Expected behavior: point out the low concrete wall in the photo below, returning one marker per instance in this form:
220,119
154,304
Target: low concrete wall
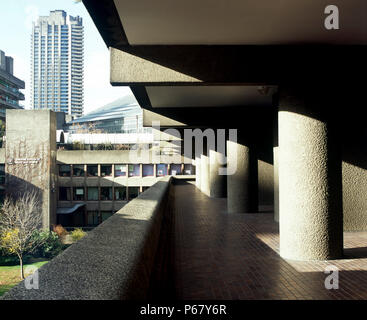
114,261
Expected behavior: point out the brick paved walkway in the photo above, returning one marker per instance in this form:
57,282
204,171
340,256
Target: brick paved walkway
235,256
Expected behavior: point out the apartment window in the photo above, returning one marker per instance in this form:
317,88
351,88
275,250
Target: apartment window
145,188
106,170
92,193
92,170
2,173
64,194
105,215
133,192
120,193
188,169
106,193
78,193
92,218
134,170
148,170
120,170
161,170
175,169
64,170
78,170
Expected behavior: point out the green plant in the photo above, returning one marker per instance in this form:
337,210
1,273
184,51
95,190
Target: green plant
78,145
77,234
50,245
19,219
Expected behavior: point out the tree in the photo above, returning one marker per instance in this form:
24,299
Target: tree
19,219
2,133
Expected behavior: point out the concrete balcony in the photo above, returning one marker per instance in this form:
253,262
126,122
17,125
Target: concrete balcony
17,95
10,105
162,246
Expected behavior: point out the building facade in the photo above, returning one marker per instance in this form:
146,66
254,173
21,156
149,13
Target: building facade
78,188
121,116
57,63
9,86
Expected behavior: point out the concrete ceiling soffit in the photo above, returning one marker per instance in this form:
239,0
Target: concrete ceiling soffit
107,21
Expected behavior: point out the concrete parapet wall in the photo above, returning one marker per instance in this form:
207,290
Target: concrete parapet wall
114,261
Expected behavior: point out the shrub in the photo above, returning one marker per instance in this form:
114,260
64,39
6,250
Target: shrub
77,234
78,145
13,260
50,244
59,230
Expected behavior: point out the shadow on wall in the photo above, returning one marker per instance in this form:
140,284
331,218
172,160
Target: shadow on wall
15,187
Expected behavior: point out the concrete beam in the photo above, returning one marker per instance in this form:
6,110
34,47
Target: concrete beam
198,65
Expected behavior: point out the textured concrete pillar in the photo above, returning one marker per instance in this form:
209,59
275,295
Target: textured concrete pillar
276,184
217,182
204,168
197,172
241,191
310,193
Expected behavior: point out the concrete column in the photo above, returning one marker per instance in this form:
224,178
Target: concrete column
205,174
217,182
198,172
276,183
310,189
241,186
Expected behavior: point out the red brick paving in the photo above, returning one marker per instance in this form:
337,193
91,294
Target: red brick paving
235,256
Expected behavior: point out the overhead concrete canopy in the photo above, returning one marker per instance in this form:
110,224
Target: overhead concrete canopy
253,22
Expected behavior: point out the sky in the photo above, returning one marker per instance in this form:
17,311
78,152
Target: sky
15,41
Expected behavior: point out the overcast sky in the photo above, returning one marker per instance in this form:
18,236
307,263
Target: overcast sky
16,19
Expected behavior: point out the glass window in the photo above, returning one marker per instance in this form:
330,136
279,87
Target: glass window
92,193
64,194
64,170
78,170
92,218
175,169
188,169
106,170
133,192
145,188
148,170
106,193
120,193
161,170
106,214
78,193
134,170
92,170
120,170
